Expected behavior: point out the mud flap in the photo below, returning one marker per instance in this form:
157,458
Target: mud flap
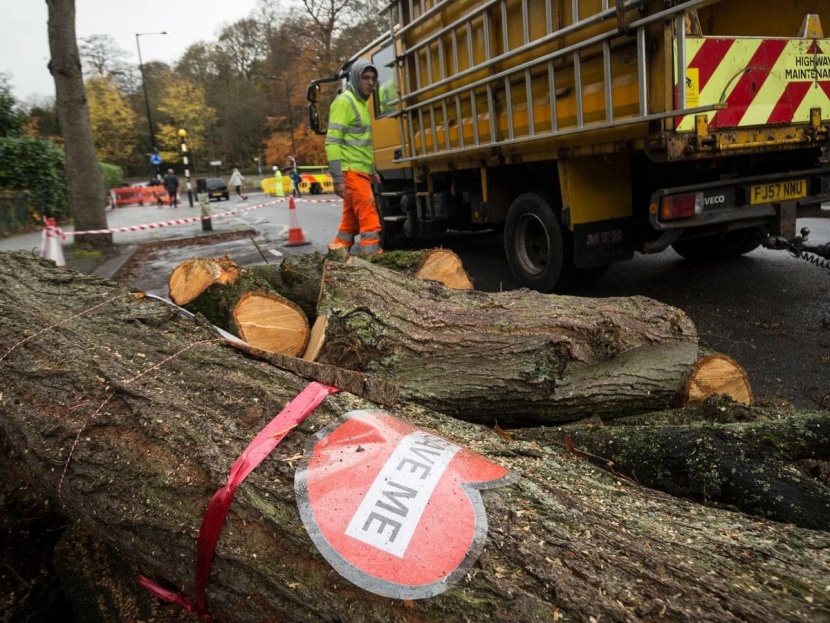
603,242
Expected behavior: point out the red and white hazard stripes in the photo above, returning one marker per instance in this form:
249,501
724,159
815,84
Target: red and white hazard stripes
54,230
761,81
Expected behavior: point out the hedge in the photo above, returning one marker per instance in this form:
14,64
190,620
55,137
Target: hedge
38,167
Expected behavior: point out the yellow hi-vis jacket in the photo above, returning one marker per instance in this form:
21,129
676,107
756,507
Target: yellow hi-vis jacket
349,137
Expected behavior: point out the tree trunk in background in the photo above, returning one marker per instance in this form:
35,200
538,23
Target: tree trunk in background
155,410
86,185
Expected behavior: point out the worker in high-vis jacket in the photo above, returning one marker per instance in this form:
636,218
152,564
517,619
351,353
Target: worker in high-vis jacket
352,161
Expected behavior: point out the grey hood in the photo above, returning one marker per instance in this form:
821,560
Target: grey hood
355,71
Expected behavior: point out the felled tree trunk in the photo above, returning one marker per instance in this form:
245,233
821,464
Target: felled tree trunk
516,358
697,460
129,416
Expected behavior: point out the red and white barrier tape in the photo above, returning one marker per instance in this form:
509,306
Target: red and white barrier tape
55,231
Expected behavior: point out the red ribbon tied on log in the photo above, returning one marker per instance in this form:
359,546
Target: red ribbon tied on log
217,511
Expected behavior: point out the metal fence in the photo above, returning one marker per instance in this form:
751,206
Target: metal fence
16,214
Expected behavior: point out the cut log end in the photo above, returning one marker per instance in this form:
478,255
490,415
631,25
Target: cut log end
192,277
271,323
444,266
317,339
718,375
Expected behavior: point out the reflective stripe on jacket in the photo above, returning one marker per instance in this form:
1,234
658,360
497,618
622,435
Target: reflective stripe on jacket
349,137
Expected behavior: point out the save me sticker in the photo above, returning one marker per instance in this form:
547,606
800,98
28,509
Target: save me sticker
394,509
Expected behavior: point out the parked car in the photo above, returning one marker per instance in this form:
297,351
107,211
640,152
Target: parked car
217,189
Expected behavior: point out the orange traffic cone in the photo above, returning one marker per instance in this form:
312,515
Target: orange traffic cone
295,234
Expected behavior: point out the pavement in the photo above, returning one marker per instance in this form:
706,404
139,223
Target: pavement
134,227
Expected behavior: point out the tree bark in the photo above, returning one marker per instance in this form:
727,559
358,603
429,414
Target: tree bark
86,184
698,460
129,416
516,357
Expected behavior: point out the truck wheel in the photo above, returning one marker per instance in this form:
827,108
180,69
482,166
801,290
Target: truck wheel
733,244
538,247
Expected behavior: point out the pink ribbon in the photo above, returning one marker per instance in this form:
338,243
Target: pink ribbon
217,511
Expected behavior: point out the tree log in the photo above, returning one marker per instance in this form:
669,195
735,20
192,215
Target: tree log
516,357
271,323
698,460
212,286
192,277
129,416
718,375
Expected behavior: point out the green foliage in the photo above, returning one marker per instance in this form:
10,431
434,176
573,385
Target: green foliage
15,213
11,118
39,167
113,175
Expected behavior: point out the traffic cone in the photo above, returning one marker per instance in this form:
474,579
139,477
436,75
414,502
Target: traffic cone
53,250
295,234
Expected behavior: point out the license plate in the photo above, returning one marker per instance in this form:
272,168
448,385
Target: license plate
778,191
216,194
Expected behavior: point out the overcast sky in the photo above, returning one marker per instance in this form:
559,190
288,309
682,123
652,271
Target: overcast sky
24,45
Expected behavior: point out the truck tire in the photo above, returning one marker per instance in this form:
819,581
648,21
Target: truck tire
713,248
539,248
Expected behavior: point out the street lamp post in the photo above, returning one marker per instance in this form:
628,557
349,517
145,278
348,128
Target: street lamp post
153,148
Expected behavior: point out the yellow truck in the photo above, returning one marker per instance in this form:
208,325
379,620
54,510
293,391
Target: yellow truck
593,129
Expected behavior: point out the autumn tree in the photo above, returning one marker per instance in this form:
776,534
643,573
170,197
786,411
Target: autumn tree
307,146
184,106
86,185
156,76
325,19
199,64
113,121
243,47
313,41
42,119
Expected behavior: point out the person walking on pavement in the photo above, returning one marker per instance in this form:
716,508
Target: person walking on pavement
171,185
351,160
236,181
296,179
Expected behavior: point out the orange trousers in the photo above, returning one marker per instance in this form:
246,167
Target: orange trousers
360,216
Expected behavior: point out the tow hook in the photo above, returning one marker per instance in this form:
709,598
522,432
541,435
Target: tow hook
798,247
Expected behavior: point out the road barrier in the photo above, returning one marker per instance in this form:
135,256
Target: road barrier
139,195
